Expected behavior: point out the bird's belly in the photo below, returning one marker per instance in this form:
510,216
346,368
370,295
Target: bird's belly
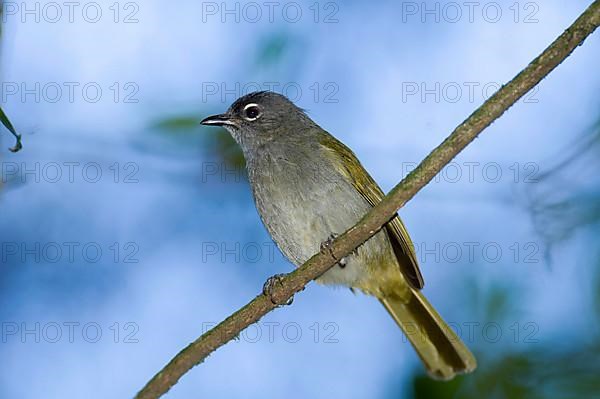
309,214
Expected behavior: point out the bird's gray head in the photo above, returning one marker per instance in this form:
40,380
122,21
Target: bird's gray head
260,117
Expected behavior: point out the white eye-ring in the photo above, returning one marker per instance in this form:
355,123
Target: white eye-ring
252,112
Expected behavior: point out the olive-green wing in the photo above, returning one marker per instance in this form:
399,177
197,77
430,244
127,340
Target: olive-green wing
368,188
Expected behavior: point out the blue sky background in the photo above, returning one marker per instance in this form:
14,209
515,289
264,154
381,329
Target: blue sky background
170,210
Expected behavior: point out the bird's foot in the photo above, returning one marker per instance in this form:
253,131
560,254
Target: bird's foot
269,290
326,247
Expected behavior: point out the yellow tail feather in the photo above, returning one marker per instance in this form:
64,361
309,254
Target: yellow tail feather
441,350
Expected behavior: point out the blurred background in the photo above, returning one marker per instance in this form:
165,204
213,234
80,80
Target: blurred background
127,230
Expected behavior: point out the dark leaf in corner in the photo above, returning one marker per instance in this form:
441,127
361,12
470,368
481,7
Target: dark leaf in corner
9,126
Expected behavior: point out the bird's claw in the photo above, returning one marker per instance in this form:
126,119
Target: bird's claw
269,287
326,247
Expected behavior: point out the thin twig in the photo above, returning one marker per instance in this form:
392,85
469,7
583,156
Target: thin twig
465,133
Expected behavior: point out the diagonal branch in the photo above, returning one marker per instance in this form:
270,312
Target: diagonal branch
465,133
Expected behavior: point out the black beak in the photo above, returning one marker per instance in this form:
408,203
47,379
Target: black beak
217,120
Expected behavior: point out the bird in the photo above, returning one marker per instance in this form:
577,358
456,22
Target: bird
308,187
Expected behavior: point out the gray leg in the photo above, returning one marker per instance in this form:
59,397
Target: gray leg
325,245
270,285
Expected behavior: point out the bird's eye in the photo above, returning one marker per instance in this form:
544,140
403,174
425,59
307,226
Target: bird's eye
252,112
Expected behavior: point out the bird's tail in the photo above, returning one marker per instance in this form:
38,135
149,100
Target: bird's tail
441,350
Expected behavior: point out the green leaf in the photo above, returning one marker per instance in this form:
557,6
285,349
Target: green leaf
179,123
10,127
272,48
217,141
